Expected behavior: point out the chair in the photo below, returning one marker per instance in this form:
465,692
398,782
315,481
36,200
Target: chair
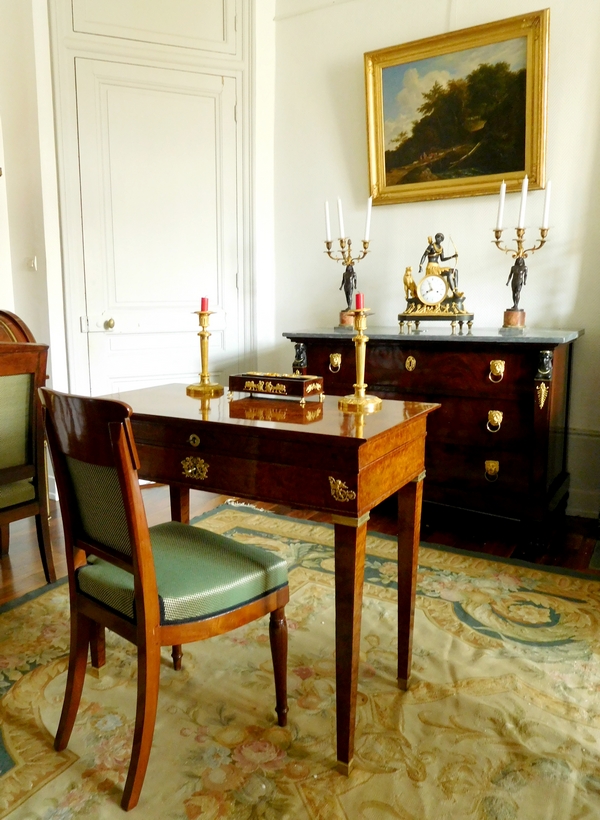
161,586
23,481
13,329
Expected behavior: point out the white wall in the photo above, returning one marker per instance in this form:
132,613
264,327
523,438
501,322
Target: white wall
321,152
18,112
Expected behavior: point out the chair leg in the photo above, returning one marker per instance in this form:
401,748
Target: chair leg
177,655
80,639
278,634
98,646
43,536
145,718
4,538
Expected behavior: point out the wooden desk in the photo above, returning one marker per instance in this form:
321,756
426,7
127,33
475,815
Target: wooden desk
313,456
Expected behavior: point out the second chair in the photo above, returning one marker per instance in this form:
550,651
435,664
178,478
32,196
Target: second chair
161,586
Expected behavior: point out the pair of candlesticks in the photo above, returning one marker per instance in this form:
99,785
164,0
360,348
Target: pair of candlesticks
359,402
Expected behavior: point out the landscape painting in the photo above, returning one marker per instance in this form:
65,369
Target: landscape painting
458,120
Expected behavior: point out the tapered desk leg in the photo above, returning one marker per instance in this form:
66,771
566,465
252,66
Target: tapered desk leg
180,503
350,543
410,499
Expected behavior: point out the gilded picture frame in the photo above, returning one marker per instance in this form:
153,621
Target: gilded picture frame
454,115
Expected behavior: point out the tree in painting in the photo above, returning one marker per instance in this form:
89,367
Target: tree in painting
469,126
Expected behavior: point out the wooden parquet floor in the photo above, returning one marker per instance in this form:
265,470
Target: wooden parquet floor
571,548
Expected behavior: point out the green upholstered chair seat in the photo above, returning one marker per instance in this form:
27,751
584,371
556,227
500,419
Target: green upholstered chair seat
198,574
16,493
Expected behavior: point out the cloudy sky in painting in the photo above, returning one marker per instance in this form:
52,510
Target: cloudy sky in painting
404,85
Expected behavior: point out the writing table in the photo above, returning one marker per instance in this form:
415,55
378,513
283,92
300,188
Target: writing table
334,462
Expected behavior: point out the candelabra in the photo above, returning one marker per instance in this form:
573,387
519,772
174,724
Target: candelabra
514,317
205,388
349,276
345,254
360,402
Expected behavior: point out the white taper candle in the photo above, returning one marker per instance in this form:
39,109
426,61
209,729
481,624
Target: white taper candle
341,219
368,219
521,222
501,206
547,205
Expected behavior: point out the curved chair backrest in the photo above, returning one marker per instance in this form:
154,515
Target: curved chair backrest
95,464
23,484
13,329
22,371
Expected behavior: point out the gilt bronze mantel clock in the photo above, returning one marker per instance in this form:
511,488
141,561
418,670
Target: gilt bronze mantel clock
435,296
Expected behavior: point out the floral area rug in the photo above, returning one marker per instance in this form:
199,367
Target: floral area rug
501,721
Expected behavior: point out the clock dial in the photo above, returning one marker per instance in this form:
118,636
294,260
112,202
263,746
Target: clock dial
432,289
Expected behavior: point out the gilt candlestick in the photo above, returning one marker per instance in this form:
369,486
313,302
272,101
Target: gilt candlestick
205,388
360,402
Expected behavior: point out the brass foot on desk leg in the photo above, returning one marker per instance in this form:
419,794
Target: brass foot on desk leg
403,684
344,768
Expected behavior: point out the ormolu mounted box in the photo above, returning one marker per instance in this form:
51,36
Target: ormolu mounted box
277,385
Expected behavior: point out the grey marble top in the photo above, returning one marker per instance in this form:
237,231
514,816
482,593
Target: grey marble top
442,333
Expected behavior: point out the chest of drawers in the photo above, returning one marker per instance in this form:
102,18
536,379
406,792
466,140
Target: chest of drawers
498,444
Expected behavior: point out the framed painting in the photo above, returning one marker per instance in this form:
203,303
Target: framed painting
454,115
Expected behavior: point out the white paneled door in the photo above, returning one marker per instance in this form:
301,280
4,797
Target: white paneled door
159,203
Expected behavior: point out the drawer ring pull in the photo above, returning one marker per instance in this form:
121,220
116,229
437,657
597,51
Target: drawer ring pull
492,468
496,373
335,362
494,421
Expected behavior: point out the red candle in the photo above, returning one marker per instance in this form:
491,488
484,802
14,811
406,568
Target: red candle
360,301
204,303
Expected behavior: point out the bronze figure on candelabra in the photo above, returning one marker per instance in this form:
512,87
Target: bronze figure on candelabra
514,317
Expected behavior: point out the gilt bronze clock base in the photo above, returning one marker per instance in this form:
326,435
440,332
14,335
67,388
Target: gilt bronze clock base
406,320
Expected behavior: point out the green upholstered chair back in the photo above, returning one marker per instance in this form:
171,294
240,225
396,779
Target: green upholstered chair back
22,371
100,509
95,464
15,419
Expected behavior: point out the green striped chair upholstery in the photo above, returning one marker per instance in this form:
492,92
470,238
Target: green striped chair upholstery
160,586
23,483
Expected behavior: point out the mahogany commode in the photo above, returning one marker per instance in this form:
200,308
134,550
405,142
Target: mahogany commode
343,464
498,445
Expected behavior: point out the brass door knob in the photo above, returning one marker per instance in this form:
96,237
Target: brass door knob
109,324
